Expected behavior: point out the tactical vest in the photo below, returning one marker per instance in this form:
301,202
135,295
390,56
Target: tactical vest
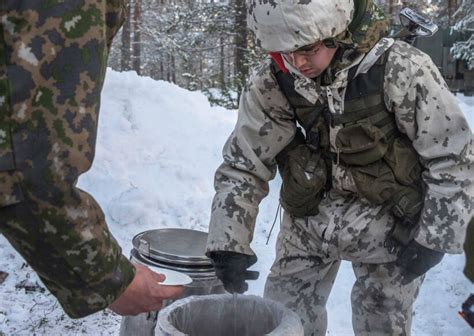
384,166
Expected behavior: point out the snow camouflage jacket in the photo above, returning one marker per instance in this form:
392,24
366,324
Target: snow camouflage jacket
52,65
424,110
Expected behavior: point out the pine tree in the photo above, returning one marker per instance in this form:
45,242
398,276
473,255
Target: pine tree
464,23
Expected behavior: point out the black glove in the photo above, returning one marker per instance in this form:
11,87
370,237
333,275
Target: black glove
231,269
416,260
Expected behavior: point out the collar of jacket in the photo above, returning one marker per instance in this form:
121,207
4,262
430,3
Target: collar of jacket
278,58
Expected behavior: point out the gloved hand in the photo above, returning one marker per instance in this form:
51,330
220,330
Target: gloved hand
231,269
416,260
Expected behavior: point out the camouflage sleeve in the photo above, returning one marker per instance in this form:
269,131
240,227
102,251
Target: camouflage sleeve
264,127
52,65
428,113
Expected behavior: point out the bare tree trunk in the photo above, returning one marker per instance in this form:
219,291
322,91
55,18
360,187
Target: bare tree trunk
173,69
200,71
136,36
452,7
392,7
125,49
240,64
222,64
162,71
168,69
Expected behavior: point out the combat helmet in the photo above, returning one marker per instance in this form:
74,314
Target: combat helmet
287,25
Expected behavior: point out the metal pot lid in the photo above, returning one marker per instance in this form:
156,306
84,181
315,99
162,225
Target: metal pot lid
201,272
179,246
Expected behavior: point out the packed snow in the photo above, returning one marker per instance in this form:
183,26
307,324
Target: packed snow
157,149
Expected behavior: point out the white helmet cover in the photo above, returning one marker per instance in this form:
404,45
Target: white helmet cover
286,25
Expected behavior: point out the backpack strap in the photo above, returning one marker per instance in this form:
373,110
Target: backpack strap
383,45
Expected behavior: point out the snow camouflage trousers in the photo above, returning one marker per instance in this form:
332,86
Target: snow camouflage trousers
304,271
53,57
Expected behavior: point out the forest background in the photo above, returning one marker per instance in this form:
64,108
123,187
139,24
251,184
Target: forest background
205,45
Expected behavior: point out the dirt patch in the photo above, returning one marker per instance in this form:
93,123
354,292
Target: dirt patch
3,276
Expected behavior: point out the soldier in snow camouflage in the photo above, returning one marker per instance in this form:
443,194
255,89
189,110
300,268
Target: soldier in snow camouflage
392,141
53,57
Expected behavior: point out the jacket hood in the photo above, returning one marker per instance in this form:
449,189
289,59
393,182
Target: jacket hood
369,26
286,25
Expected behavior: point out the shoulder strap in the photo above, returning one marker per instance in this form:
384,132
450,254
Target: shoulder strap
374,54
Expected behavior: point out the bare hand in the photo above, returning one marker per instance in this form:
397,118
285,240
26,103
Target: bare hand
144,294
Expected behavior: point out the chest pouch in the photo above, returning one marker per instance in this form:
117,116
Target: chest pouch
361,144
375,182
404,162
304,178
395,181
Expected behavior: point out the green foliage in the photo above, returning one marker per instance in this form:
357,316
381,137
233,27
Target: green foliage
464,50
225,97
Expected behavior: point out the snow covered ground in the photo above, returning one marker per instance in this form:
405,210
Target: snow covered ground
158,147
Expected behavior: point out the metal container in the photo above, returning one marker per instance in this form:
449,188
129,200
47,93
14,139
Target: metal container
179,250
227,315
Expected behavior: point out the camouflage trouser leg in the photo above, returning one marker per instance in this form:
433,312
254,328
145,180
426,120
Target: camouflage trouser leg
299,279
303,274
381,305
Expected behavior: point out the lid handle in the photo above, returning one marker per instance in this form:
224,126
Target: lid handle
144,247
